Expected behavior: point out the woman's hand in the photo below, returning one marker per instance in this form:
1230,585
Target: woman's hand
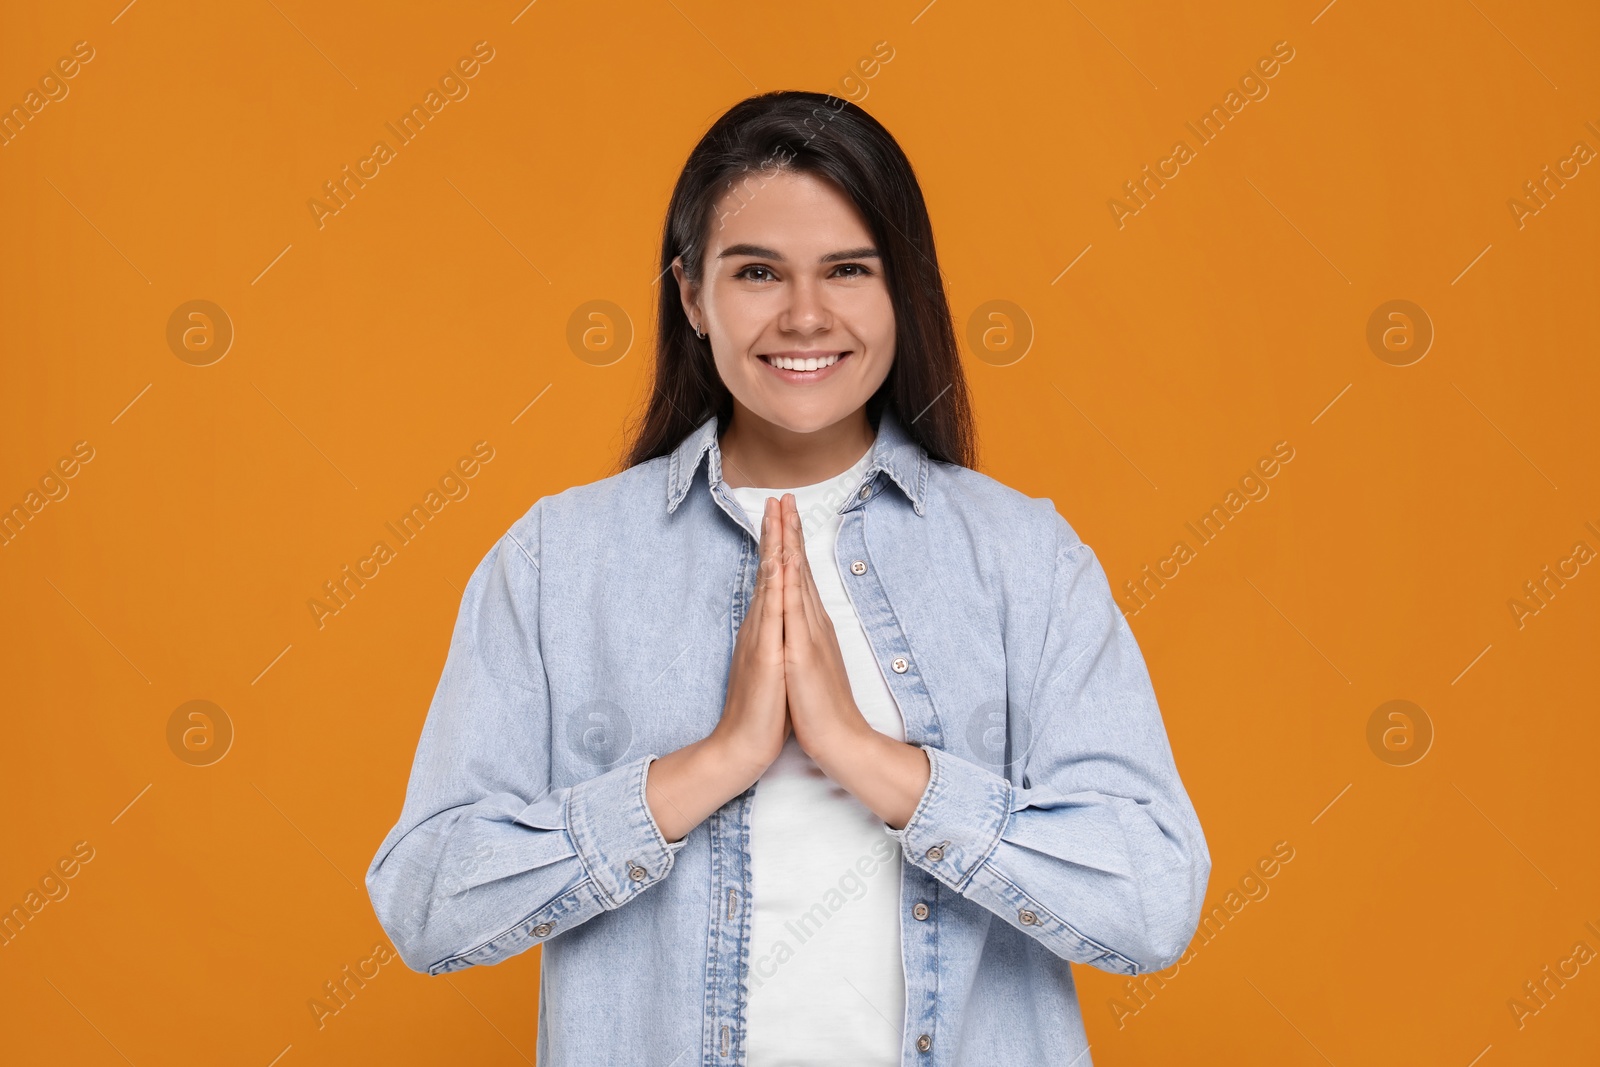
888,776
755,723
821,705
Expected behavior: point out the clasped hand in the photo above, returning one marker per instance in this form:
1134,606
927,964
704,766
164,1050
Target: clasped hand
788,674
819,706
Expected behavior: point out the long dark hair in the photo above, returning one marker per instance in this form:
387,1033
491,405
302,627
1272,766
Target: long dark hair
836,140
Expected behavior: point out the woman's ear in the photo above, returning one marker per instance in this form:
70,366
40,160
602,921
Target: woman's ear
686,291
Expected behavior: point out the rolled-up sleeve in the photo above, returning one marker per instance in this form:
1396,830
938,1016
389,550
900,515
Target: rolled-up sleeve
487,859
1098,853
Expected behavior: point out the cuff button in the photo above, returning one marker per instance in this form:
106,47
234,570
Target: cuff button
1027,917
543,929
636,872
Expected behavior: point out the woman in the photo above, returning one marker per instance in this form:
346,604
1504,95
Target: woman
797,741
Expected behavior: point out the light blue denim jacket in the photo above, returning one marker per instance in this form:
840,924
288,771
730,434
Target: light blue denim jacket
596,635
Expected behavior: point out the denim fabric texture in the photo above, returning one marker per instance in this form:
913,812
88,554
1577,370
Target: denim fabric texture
596,635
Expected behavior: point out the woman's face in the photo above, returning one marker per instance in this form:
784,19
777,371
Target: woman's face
792,271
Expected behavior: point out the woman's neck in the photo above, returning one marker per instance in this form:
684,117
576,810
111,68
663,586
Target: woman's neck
759,453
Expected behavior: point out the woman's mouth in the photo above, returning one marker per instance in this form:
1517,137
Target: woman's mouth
803,367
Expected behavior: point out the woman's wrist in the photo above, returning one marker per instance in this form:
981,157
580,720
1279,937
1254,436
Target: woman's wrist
730,760
887,775
688,784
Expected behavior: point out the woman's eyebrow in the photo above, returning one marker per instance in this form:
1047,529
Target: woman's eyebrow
763,252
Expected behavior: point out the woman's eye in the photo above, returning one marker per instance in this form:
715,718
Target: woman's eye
851,270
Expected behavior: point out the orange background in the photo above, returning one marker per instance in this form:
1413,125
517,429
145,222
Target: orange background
1228,314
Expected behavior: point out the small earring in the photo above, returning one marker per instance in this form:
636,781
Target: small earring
697,333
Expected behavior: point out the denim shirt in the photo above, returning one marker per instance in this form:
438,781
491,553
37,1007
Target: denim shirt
596,635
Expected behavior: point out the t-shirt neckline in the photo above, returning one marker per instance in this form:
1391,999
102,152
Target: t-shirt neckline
854,471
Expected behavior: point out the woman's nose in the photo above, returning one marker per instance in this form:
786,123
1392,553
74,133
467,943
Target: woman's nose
807,311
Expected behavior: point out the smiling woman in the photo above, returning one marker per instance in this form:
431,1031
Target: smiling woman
800,303
688,709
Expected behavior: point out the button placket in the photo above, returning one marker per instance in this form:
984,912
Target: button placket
728,828
725,998
886,638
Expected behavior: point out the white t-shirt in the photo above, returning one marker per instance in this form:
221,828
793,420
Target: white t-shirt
826,981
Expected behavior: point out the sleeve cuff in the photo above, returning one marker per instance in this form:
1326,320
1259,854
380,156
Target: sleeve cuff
958,821
615,834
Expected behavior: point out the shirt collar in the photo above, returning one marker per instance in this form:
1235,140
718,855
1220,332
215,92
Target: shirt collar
894,452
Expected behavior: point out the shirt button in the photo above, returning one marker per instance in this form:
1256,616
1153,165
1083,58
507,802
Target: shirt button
858,567
636,872
866,491
1028,918
920,911
900,665
543,928
924,1043
936,853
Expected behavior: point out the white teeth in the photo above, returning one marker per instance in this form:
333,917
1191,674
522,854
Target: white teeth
786,363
